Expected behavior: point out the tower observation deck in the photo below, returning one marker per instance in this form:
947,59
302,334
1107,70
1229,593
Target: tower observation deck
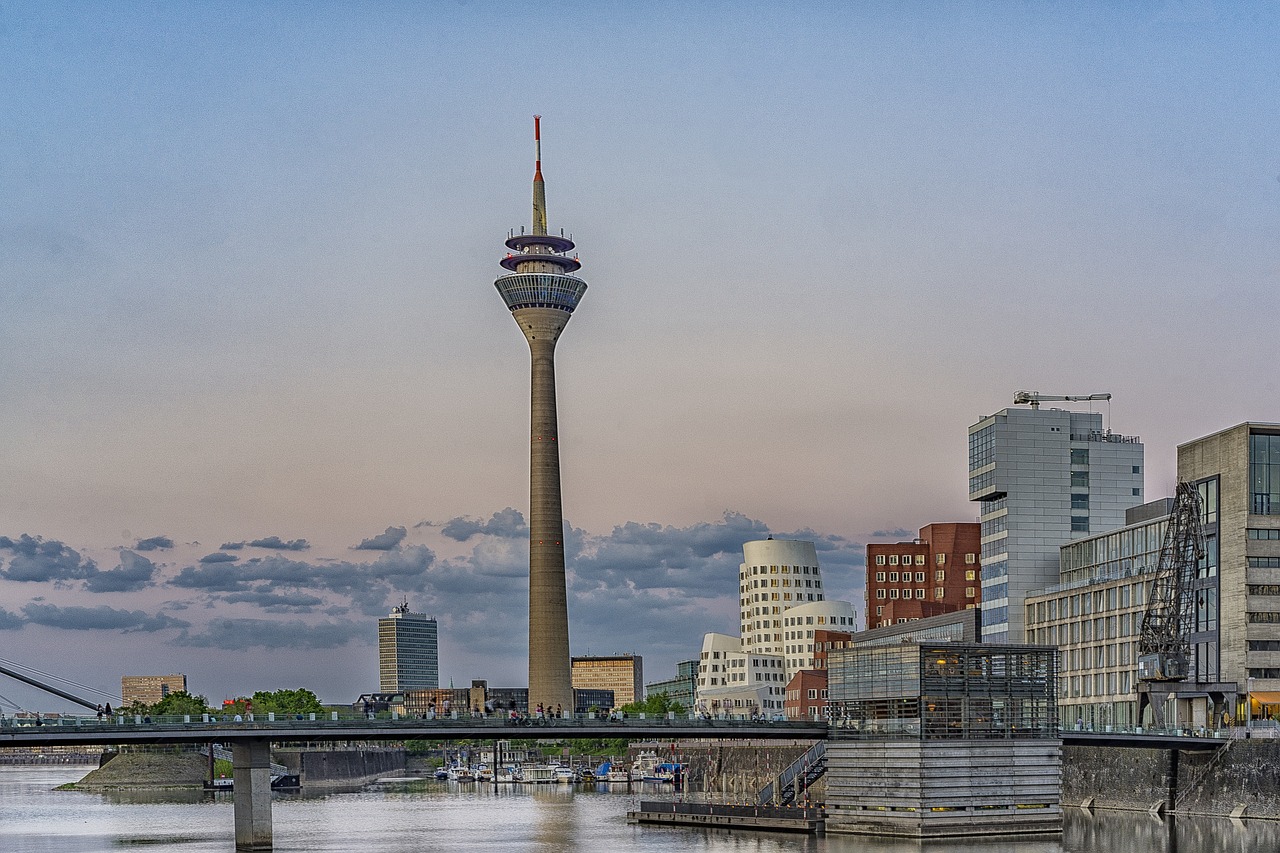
542,295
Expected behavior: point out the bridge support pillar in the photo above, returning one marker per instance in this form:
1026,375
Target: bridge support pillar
251,764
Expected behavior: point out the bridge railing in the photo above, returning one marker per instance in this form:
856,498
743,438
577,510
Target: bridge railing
352,719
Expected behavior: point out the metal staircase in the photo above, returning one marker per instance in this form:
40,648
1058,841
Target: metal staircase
796,779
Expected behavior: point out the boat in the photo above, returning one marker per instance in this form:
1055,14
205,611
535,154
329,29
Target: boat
648,768
461,774
508,775
565,774
442,773
484,774
538,774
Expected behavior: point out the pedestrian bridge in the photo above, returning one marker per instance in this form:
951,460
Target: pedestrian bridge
250,740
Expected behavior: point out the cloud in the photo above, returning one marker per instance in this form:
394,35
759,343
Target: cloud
240,634
278,544
231,546
508,523
218,557
385,541
898,534
134,572
99,618
155,543
274,602
37,559
10,621
211,578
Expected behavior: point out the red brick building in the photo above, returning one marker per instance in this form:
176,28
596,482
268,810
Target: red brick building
934,574
806,697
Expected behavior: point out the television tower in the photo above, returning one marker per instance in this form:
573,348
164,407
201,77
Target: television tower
542,294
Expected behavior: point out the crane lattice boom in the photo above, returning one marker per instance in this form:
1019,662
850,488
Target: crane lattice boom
1163,647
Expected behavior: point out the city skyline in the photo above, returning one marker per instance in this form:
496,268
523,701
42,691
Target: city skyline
245,266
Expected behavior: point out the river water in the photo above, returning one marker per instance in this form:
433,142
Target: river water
412,817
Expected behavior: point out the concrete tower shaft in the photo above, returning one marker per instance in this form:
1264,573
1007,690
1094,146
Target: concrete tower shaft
541,294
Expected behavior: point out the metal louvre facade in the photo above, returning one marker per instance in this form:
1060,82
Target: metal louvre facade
944,691
541,290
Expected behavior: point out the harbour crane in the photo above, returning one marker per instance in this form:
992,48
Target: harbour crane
1163,644
1035,398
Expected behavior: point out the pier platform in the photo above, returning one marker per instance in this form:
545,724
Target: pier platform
773,818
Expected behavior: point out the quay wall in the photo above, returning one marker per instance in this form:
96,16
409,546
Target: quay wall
1242,777
735,771
319,767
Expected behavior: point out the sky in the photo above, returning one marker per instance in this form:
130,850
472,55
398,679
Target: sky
257,384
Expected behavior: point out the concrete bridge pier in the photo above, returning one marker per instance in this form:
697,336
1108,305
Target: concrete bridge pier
251,769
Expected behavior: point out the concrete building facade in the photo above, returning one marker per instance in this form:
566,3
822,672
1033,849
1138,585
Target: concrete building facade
150,689
1237,472
1042,477
936,573
621,674
408,651
542,294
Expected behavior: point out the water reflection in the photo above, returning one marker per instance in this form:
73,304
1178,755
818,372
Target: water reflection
412,816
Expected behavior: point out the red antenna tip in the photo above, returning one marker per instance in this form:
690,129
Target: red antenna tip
537,131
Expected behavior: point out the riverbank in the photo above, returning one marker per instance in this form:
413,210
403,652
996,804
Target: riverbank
162,771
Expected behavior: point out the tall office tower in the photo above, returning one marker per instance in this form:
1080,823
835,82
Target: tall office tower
542,294
408,656
1042,478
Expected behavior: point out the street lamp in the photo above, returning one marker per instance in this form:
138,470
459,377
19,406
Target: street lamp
1248,703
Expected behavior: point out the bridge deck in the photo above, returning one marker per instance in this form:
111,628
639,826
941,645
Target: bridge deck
91,732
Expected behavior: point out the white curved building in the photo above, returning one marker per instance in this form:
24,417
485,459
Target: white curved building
782,603
799,623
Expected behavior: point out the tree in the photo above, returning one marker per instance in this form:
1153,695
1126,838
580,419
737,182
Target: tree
656,705
300,701
180,702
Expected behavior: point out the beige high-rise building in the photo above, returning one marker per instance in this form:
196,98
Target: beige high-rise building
541,294
623,674
150,689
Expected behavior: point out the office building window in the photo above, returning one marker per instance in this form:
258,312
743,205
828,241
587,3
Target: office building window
1254,533
879,559
941,559
893,577
969,592
893,593
1079,525
940,576
919,593
879,577
893,559
1079,501
880,593
919,577
1264,474
1079,479
970,559
971,575
1080,457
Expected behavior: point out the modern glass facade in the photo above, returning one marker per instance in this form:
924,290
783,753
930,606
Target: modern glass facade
950,691
541,290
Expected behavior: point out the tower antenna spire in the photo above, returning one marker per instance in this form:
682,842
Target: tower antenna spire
539,188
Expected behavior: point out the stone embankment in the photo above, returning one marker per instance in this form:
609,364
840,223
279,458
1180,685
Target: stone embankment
341,767
734,771
1241,779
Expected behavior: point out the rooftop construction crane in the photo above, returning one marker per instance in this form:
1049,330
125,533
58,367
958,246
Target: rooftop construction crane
1035,398
1163,645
